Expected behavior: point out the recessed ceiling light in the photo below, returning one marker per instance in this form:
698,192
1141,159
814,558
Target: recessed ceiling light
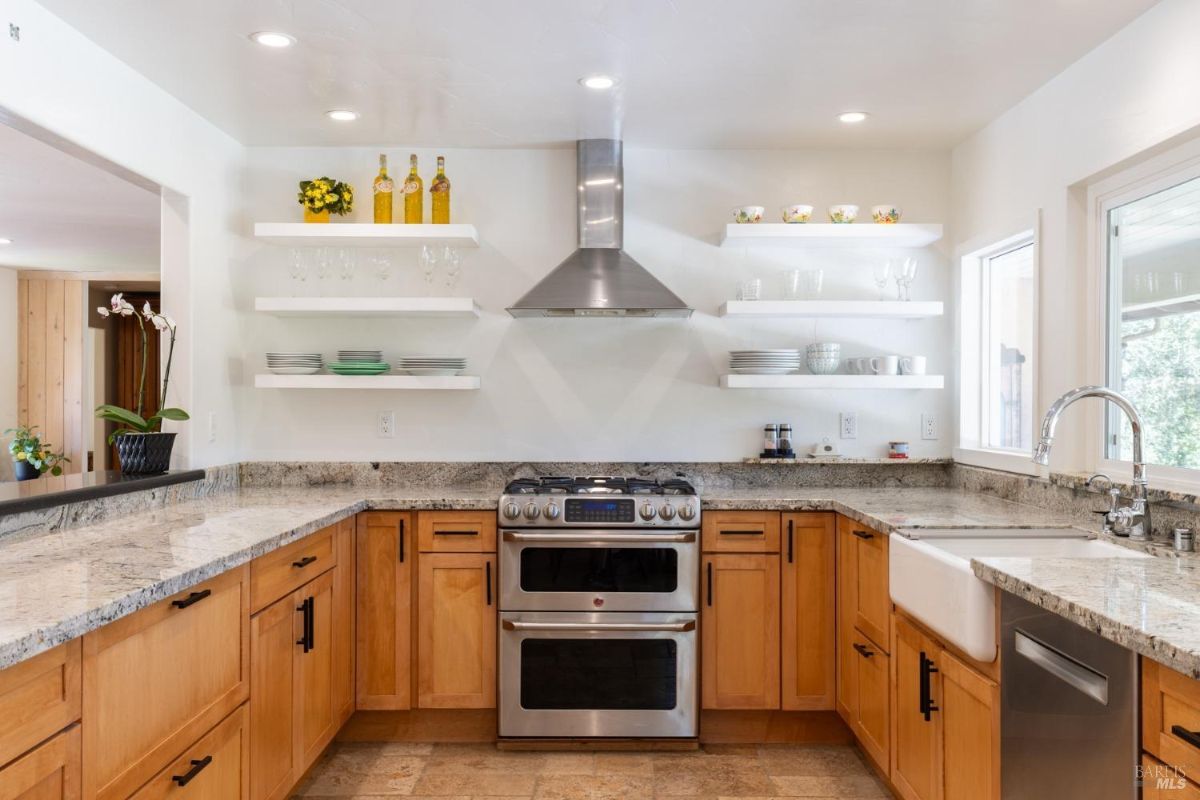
5,241
598,82
852,116
342,114
272,39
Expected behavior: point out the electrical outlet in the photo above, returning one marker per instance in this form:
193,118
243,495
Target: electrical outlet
848,425
387,424
212,427
928,426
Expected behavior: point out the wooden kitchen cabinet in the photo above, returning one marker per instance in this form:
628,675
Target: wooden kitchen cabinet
740,631
740,531
970,711
1171,717
385,551
38,698
846,665
869,594
808,612
916,761
456,630
344,631
285,570
1161,782
456,531
156,680
293,713
217,767
49,772
872,712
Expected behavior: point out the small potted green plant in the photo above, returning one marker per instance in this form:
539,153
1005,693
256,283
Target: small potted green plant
143,449
32,457
324,196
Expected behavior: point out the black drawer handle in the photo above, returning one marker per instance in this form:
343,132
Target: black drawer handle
1191,737
400,536
192,599
742,533
863,650
926,687
487,569
304,562
864,535
306,637
456,533
198,765
790,541
710,582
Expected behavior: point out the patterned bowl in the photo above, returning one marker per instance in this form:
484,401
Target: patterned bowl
886,215
823,358
843,213
797,214
748,214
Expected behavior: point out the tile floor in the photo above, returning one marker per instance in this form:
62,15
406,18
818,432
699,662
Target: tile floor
480,772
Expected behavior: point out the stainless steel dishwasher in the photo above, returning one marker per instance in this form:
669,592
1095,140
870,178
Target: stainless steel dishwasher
1068,721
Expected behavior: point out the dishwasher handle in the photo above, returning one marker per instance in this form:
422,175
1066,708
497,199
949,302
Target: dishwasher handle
1066,669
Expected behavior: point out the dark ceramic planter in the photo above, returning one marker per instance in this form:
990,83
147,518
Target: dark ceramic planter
145,453
24,471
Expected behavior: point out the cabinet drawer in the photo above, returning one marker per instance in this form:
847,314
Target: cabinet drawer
741,532
215,768
1161,782
154,681
873,718
51,772
870,594
1171,717
285,570
456,531
38,698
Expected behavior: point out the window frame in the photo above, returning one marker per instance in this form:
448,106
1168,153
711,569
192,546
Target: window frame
1153,175
973,379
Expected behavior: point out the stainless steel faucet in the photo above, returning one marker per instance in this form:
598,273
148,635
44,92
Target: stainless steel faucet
1132,519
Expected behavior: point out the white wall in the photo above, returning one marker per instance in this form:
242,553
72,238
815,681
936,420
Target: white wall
8,363
1123,100
64,83
594,389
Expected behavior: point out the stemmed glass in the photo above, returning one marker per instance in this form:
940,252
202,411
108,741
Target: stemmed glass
381,265
347,261
298,264
904,278
882,275
452,258
429,263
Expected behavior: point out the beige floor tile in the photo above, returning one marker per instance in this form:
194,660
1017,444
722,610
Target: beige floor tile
594,787
624,764
861,786
569,764
812,761
475,783
357,771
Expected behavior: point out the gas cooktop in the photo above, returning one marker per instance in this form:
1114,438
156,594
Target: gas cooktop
600,485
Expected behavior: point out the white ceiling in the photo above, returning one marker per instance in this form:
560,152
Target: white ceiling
694,73
64,214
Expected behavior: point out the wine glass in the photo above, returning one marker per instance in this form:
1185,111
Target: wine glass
347,261
298,264
910,274
882,274
453,260
429,262
381,265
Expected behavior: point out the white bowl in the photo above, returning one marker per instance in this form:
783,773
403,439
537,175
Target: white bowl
797,214
748,214
843,213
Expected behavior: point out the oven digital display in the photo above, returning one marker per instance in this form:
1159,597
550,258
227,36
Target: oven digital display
581,510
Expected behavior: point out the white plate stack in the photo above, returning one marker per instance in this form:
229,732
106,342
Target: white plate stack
360,356
432,365
294,363
765,362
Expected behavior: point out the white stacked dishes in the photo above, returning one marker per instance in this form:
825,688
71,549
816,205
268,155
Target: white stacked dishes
823,358
432,365
294,363
360,356
765,362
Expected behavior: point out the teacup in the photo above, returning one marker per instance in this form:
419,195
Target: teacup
885,365
843,213
912,365
745,214
886,215
793,214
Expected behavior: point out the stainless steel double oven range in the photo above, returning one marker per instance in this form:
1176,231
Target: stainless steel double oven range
599,589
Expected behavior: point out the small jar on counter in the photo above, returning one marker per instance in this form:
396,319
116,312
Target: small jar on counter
783,447
770,441
1185,541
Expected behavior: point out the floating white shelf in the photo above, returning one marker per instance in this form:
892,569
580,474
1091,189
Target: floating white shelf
1185,304
365,234
856,234
367,306
829,309
459,382
832,381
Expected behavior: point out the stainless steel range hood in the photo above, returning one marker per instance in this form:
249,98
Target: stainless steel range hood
600,279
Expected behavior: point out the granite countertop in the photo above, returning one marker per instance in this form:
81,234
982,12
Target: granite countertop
56,586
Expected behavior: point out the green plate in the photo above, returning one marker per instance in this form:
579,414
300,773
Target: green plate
358,370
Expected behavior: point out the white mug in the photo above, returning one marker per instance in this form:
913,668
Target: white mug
885,365
912,365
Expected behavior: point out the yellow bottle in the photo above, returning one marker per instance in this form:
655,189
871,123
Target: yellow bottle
383,193
414,212
439,191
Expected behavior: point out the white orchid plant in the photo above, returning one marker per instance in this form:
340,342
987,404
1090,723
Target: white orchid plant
132,421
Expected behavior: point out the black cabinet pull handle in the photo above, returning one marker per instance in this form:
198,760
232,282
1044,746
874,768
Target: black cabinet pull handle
710,584
306,638
192,599
926,688
304,562
863,650
400,535
864,535
789,541
198,765
487,571
741,533
1191,737
456,533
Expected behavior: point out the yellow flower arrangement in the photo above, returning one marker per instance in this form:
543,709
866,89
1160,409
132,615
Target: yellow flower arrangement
326,194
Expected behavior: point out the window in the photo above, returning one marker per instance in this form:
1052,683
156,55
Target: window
1153,330
998,328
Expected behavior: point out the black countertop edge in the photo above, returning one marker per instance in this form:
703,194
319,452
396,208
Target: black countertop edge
47,492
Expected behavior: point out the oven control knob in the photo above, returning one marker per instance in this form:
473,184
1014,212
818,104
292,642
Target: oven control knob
667,511
647,511
532,511
687,511
551,511
511,511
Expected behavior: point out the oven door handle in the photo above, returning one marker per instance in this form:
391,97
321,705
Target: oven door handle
600,627
602,538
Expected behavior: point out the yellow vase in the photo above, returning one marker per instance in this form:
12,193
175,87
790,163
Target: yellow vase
315,216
